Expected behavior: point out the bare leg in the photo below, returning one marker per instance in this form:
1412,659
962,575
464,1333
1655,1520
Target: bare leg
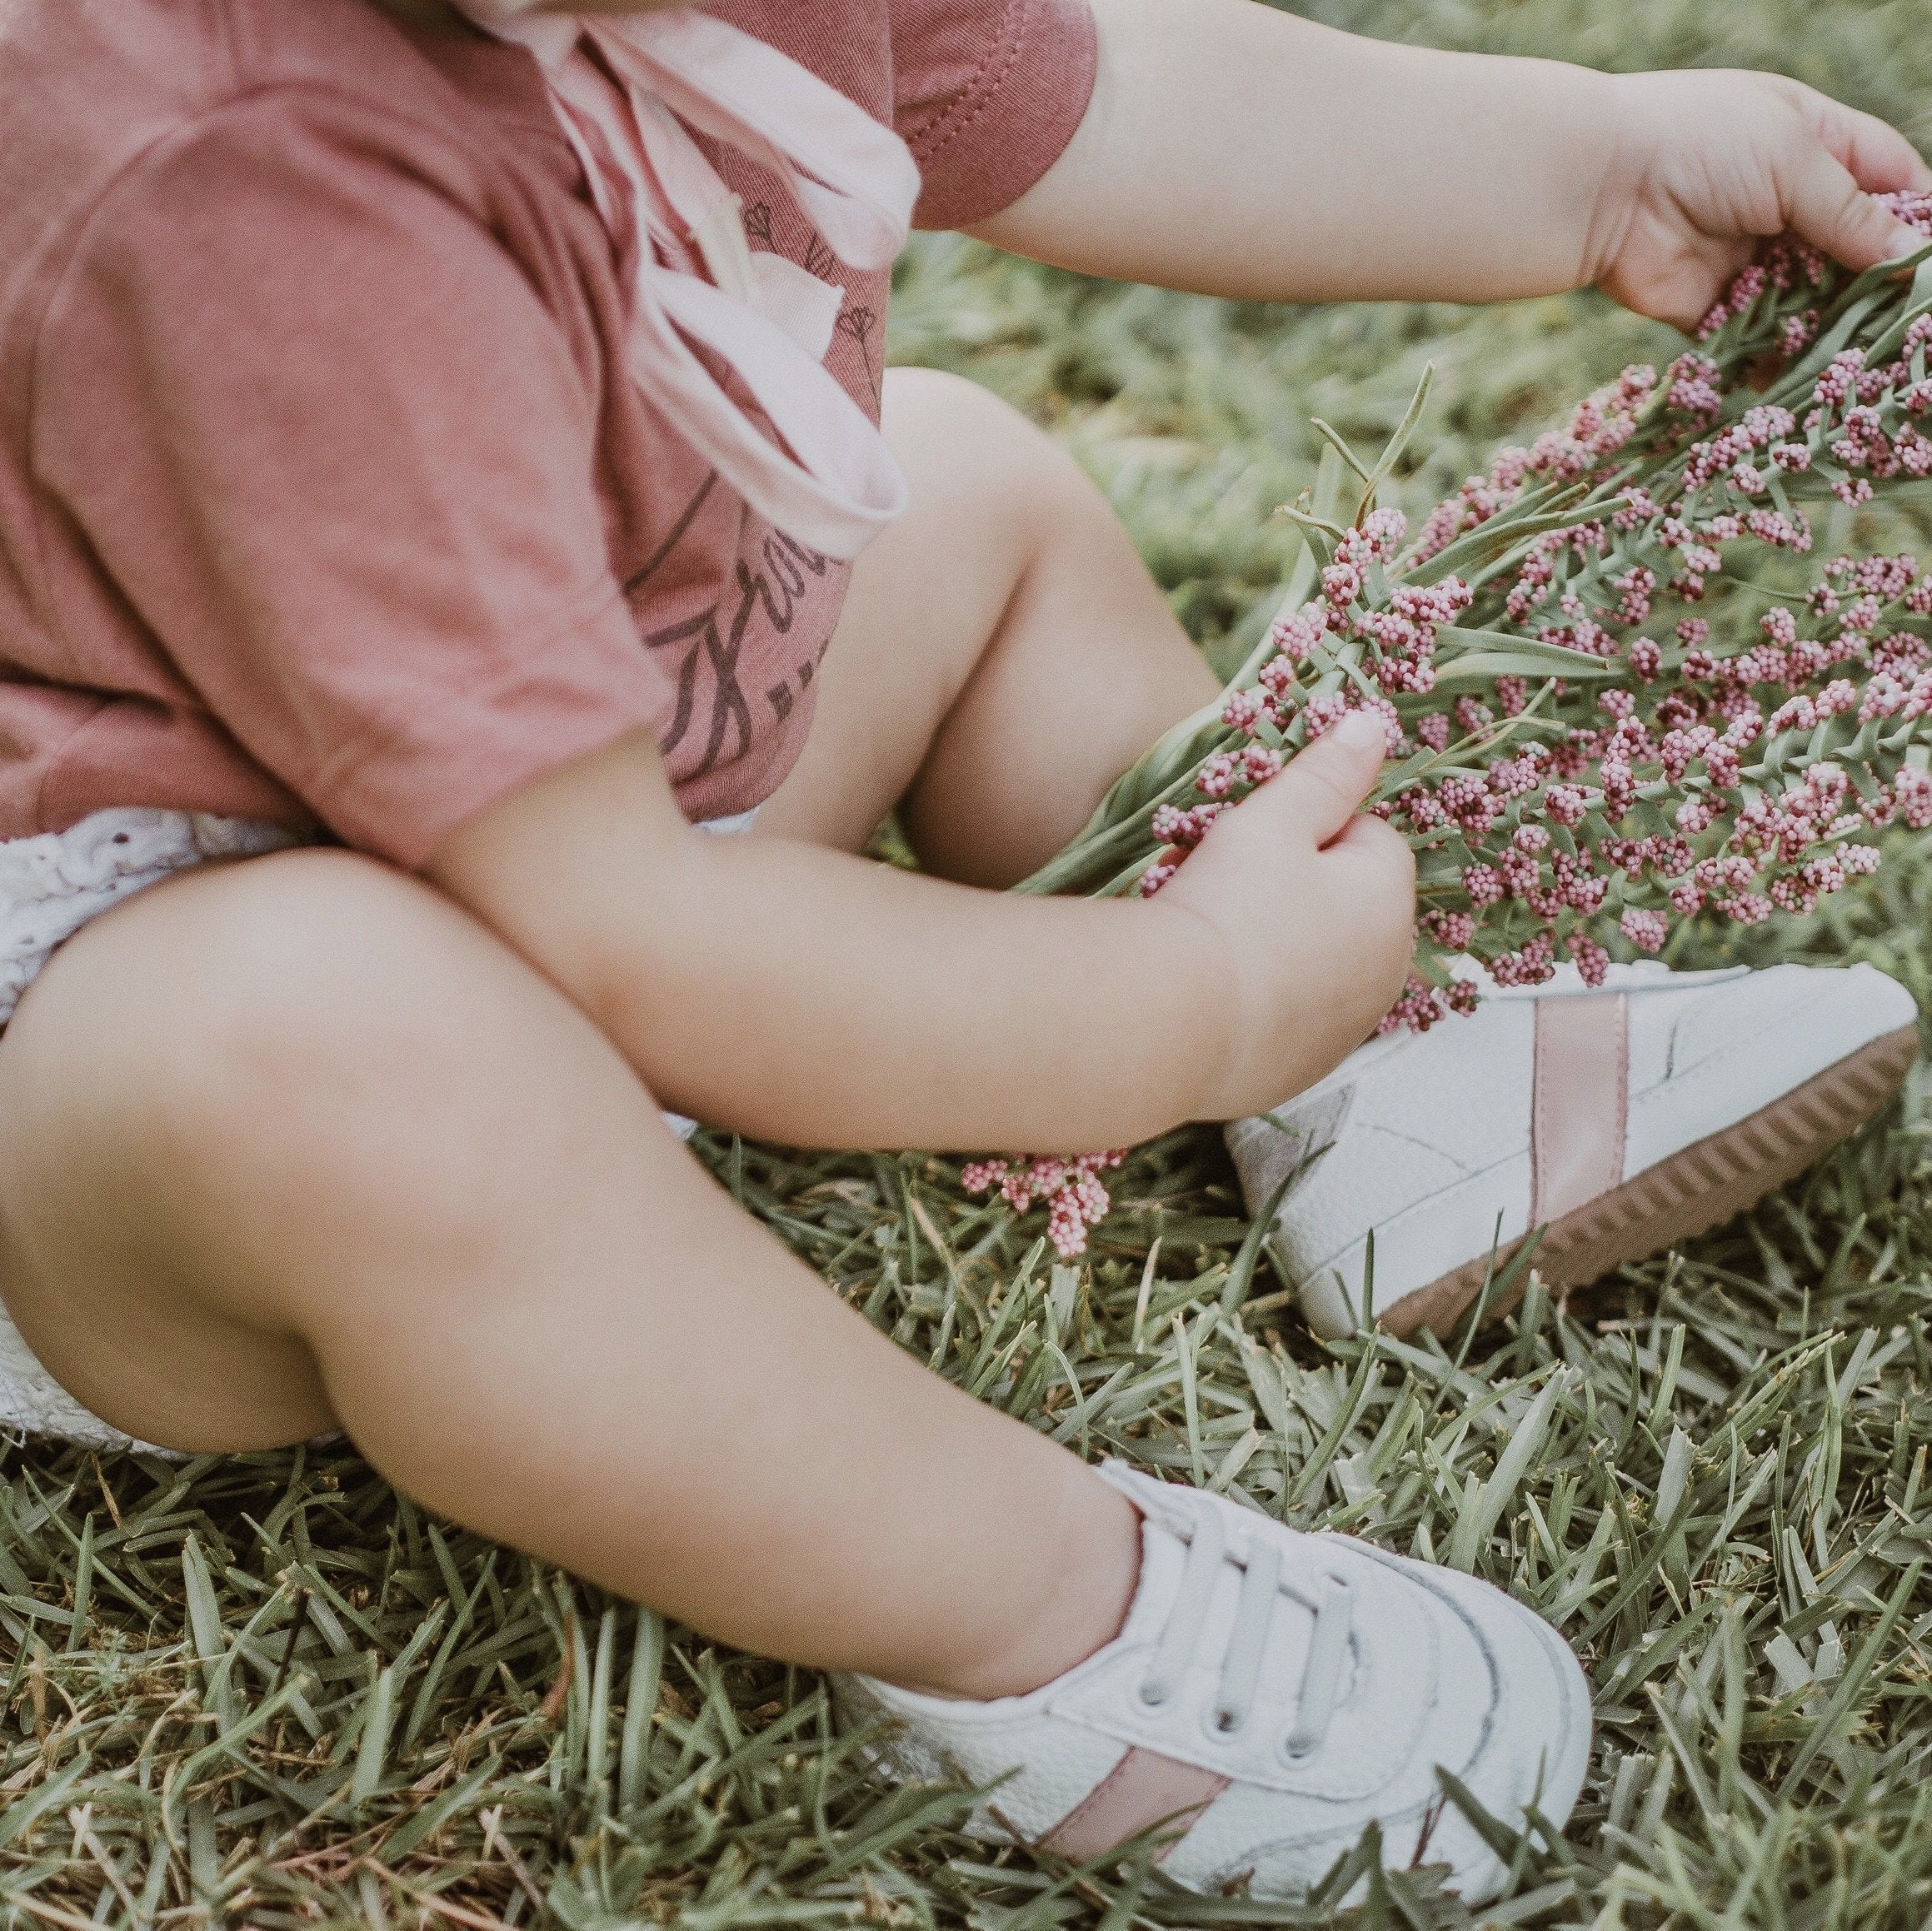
295,1142
1003,658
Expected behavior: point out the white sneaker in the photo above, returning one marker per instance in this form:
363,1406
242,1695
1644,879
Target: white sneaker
1270,1696
1620,1120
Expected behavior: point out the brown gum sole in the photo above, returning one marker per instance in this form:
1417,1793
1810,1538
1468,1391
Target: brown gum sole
1701,1187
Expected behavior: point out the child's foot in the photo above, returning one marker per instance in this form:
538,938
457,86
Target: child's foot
1270,1695
1621,1120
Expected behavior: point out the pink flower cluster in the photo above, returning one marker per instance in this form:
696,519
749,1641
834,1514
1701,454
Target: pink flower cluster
1693,390
1602,426
1075,1199
1729,782
1868,417
1789,263
1395,657
1680,765
1646,810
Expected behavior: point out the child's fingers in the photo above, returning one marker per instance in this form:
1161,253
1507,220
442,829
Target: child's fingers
1380,879
1324,788
1825,206
1370,893
1876,154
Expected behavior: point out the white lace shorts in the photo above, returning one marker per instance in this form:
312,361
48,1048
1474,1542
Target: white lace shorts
50,886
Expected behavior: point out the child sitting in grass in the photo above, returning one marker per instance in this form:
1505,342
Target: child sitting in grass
433,460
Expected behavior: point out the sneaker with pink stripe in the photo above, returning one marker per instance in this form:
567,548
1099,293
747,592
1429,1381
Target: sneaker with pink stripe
1617,1120
1270,1695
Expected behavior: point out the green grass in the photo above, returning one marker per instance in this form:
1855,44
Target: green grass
268,1691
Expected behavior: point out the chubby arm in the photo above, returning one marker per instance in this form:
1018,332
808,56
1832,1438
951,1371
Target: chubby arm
1235,150
802,995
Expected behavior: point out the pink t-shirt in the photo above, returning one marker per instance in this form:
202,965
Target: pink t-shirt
325,496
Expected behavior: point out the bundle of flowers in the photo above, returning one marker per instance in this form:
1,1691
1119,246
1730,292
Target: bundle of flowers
1580,756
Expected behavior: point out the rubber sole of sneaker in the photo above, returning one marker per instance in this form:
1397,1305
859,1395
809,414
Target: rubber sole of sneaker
1698,1188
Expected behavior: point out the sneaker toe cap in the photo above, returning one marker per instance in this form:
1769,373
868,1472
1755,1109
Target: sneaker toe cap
1742,1047
1789,1021
1540,1751
1534,1751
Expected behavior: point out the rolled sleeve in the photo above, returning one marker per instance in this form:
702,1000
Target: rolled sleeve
989,93
319,427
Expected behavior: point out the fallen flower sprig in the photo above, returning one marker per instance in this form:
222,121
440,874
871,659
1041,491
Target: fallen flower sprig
1072,1190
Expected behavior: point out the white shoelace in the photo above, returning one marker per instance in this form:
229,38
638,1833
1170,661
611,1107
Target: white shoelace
1241,1670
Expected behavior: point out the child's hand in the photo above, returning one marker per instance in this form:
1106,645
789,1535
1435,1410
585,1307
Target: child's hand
1708,165
1241,150
1314,904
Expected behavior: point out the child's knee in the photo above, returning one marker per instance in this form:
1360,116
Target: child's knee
991,462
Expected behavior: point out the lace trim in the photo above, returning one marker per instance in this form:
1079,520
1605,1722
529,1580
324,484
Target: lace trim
53,885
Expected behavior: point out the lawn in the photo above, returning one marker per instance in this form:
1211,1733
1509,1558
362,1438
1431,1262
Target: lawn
269,1691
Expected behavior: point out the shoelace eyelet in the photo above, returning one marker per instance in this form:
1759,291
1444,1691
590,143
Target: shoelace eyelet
1296,1758
1151,1700
1221,1727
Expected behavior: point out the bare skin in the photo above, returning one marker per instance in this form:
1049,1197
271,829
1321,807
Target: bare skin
303,1142
298,1143
1656,186
1221,152
1234,149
